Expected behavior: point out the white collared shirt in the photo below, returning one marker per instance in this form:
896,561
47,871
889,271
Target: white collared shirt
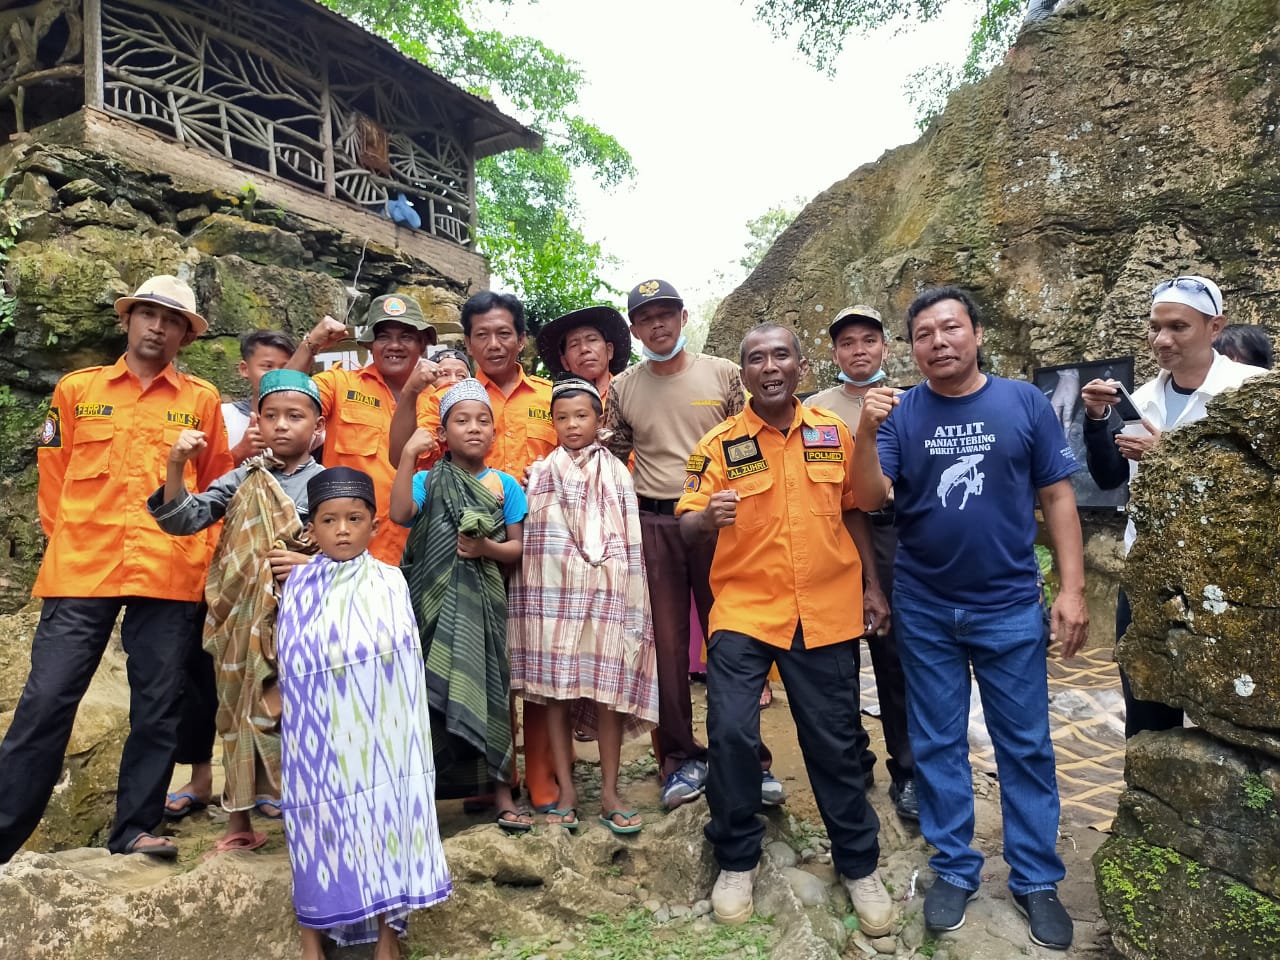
1224,374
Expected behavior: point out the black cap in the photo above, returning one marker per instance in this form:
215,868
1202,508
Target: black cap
605,319
338,482
651,291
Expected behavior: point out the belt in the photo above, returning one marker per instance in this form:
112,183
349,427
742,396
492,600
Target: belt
881,518
649,505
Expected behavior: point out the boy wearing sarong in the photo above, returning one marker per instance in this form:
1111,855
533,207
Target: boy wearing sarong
466,524
263,502
581,636
360,819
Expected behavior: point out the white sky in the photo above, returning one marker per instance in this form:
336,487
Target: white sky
722,121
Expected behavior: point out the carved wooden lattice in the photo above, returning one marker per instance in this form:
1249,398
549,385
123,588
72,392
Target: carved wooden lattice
254,87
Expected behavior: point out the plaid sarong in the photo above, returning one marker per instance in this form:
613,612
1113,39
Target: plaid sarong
579,626
239,633
461,607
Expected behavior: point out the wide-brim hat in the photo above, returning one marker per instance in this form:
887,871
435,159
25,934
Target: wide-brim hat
397,308
605,319
859,313
166,291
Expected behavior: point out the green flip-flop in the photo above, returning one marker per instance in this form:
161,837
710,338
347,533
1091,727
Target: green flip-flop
607,820
570,825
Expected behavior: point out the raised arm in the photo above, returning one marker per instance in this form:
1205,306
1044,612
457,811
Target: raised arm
870,485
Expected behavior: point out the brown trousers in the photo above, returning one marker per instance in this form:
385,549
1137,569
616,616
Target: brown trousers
673,570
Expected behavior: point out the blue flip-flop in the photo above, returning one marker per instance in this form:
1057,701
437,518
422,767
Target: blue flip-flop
607,820
194,806
570,825
260,808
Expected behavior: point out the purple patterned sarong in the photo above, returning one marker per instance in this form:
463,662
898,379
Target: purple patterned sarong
358,778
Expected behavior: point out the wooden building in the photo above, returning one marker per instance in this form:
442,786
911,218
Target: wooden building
316,113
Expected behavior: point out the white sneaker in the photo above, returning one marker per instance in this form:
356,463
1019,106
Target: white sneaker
871,903
731,897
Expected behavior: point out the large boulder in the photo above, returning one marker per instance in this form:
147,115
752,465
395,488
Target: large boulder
1191,868
1202,574
1120,141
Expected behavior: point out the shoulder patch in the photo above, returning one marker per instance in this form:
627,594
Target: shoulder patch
51,434
697,464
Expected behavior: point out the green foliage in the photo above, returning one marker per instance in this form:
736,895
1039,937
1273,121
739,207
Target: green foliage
1044,560
527,211
1257,795
637,936
765,229
821,27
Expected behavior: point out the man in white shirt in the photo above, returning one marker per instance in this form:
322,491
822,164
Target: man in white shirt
1187,313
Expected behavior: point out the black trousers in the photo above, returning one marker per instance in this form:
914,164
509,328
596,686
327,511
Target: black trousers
68,645
1140,715
822,689
891,683
198,719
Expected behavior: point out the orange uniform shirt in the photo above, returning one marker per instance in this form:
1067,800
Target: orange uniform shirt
522,423
358,407
104,450
788,557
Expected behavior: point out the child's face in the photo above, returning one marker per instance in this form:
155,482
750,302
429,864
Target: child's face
262,359
288,421
576,421
342,527
451,371
469,431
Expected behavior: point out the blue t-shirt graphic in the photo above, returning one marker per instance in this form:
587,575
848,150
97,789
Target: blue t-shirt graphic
965,471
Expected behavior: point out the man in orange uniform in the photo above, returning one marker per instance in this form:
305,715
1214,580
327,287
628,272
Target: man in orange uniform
772,488
494,332
104,448
358,405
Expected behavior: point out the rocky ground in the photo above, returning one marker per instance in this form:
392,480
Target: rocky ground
549,894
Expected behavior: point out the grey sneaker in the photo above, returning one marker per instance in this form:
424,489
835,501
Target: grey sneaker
685,785
731,898
871,903
944,906
771,792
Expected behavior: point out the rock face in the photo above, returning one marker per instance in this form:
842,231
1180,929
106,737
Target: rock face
1196,837
1202,575
1120,142
78,229
84,801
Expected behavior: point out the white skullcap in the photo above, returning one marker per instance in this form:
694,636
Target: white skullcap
469,389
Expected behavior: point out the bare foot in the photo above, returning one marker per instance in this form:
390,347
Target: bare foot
509,812
620,808
312,944
238,823
388,947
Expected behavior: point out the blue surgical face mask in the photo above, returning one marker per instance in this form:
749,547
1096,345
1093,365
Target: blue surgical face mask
660,357
875,378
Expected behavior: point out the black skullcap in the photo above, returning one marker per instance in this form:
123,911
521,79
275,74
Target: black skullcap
338,482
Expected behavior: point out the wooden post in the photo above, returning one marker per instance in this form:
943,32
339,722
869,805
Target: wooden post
326,127
93,53
469,145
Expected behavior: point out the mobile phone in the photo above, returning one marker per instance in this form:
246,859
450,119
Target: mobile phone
1124,405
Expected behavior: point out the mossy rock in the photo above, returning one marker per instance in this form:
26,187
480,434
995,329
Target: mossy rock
442,307
238,296
1201,576
1161,905
21,537
1213,803
216,359
220,234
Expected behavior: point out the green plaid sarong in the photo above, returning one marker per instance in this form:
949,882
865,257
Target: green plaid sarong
461,608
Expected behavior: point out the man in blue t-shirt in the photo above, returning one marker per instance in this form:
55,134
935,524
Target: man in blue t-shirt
967,455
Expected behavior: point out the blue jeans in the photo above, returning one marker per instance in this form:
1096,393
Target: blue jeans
1007,651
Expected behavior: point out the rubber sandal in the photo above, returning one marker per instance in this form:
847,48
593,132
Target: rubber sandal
234,842
260,807
570,825
607,820
513,826
167,851
194,806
